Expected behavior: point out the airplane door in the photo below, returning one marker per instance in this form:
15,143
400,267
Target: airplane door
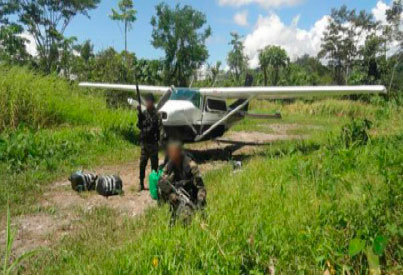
215,106
213,110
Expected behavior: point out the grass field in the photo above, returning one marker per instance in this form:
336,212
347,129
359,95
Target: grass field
329,204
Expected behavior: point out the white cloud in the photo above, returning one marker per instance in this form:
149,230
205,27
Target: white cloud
263,3
241,18
379,11
270,30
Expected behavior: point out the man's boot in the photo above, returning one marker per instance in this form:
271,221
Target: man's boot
141,184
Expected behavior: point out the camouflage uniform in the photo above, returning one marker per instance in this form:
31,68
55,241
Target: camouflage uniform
151,125
188,177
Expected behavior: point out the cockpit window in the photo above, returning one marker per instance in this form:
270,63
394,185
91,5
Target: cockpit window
183,94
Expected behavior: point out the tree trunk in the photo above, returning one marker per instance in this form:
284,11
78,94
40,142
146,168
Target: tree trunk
265,76
276,76
126,36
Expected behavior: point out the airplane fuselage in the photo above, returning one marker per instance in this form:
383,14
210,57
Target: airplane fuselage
186,114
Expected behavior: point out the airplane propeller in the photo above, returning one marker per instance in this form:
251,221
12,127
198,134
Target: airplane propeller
164,98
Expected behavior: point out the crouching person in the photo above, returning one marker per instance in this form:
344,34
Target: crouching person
181,184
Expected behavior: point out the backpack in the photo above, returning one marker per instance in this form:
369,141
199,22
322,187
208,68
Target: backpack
109,185
82,181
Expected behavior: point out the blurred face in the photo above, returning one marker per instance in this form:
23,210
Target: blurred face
174,153
149,104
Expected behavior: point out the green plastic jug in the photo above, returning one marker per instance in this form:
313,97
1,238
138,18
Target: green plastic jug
153,183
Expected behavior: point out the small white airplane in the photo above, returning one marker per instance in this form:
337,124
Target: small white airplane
198,114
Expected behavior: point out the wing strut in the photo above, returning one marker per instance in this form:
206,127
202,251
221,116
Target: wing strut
223,119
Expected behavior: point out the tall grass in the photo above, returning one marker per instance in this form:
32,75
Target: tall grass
46,101
373,109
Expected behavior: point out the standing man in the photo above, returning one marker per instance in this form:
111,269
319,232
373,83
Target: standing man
150,125
181,184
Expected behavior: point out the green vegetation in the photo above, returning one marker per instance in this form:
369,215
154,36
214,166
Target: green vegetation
46,21
8,266
275,58
49,127
47,101
236,59
185,28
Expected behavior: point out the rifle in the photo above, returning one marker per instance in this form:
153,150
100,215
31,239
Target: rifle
140,116
184,196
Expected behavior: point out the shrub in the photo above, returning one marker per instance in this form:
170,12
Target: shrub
355,132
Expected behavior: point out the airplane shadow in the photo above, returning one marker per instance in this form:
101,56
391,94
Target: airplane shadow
217,154
226,153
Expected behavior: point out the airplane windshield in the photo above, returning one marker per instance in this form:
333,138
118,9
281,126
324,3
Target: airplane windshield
186,95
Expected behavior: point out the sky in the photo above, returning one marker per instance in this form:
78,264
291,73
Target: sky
296,25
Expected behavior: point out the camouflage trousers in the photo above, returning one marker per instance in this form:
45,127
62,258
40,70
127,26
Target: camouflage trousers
181,212
148,151
184,212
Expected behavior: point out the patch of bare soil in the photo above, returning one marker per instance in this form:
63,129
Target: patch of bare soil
131,202
284,128
259,137
62,208
42,229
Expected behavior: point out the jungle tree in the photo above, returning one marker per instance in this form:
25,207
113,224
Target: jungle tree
181,33
126,14
394,19
83,62
12,44
46,21
273,58
214,71
237,61
340,43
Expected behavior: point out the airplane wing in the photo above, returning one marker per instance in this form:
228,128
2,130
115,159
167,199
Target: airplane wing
287,92
156,90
